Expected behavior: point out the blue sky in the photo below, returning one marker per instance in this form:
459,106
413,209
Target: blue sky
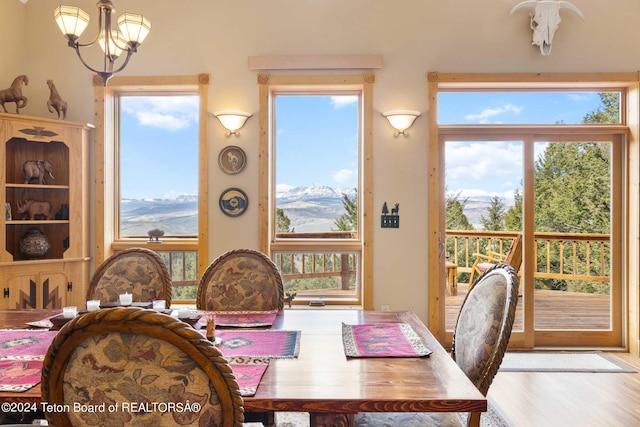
316,140
159,155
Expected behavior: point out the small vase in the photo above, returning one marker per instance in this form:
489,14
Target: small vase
34,244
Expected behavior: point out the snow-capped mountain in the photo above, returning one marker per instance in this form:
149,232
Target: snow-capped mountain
313,192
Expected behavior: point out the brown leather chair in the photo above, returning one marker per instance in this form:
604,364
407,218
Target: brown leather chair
138,271
480,340
131,356
241,280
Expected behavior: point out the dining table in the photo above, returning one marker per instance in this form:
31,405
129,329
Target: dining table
324,381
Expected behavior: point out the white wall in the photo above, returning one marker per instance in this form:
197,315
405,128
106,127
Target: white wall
414,36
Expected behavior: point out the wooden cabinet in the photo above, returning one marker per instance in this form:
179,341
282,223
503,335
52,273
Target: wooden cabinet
44,234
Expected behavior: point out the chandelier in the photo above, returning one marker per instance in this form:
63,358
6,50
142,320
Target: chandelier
132,30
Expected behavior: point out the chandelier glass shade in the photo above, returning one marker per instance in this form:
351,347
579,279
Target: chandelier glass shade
131,32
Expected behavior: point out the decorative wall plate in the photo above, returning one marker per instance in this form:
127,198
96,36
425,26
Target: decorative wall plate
232,159
233,202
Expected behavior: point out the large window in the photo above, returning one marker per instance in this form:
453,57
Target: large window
151,177
158,165
542,162
317,178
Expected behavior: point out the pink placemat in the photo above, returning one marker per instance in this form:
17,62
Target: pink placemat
25,344
19,375
259,343
382,340
242,319
248,373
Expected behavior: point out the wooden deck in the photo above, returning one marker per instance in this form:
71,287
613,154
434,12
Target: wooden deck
553,310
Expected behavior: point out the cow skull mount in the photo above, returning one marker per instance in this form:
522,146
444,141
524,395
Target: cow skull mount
545,19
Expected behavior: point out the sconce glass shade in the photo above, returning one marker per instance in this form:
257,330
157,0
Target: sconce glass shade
232,120
71,20
401,120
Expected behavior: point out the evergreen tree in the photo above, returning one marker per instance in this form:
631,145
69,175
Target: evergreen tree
494,221
513,216
283,223
348,221
455,218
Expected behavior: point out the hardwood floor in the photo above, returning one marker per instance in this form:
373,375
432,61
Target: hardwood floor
549,399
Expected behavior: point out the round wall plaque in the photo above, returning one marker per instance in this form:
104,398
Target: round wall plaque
233,202
232,159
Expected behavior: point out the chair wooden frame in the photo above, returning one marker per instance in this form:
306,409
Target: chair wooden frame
205,281
153,257
513,257
490,369
144,322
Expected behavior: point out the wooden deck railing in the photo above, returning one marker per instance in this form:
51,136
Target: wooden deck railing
568,256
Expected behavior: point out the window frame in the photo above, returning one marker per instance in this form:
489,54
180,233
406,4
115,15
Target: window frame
106,155
626,83
269,243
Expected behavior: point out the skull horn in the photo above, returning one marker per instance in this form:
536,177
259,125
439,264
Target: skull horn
572,7
528,3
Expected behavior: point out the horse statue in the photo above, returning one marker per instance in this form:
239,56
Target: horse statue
14,94
56,102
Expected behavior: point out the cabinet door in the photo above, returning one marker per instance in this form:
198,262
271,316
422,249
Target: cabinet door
34,291
53,290
20,291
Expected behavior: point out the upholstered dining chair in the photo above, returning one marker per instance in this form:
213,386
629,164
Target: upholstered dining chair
138,271
480,340
152,363
241,280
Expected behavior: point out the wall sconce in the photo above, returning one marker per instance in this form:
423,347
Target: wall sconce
401,120
232,120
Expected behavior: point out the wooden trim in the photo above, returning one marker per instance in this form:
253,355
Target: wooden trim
435,219
633,219
317,62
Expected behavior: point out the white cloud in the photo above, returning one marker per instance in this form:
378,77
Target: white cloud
494,166
343,100
487,113
164,112
342,176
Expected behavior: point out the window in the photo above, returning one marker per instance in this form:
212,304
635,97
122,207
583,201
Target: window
543,161
153,148
158,165
316,191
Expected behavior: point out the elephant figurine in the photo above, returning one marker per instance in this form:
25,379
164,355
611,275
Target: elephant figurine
37,169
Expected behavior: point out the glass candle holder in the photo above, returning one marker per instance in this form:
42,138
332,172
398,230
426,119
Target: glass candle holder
69,312
184,313
159,304
93,304
126,299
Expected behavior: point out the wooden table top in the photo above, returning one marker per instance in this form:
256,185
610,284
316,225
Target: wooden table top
323,380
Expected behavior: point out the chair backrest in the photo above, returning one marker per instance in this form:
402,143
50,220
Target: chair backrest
514,255
138,271
241,279
132,366
484,324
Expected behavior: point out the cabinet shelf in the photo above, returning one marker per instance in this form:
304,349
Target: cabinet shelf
37,222
38,186
60,276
